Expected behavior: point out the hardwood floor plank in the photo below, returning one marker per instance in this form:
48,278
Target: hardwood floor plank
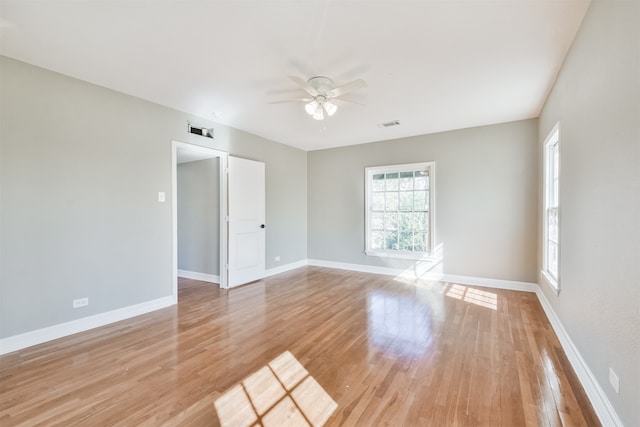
368,349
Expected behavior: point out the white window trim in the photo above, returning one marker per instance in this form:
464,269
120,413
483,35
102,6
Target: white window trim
546,276
427,256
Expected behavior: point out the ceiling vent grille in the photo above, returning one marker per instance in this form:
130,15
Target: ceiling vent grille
390,124
200,130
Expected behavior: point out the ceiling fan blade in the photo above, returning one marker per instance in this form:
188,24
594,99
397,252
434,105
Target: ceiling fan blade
292,100
349,87
347,101
304,85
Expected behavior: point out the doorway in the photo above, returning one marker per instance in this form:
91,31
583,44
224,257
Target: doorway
184,153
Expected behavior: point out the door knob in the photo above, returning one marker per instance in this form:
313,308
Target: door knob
262,226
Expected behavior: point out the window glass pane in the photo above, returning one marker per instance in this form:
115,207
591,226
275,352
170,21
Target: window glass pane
377,240
406,181
420,242
391,201
406,201
391,220
552,178
377,201
552,259
391,240
392,182
378,182
420,201
420,221
405,221
421,180
377,221
552,224
406,241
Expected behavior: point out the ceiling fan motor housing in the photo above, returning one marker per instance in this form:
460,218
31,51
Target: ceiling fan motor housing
321,84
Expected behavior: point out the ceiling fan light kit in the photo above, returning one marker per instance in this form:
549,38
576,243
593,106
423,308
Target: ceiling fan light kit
323,93
319,105
330,107
319,114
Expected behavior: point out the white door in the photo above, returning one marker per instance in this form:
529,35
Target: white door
246,221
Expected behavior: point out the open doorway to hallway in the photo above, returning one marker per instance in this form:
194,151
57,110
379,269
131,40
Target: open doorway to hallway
199,214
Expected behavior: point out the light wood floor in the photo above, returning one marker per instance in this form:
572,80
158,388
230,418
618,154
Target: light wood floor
307,346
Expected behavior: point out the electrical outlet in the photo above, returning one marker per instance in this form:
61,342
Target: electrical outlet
614,380
161,197
277,259
80,302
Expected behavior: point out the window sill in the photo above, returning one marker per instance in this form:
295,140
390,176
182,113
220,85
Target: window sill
422,256
550,281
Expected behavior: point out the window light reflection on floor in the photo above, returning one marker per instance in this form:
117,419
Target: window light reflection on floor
399,325
282,393
473,296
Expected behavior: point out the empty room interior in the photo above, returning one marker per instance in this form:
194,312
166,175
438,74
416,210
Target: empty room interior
286,213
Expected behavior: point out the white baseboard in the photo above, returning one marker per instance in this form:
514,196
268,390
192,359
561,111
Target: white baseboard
355,267
284,268
28,339
211,278
463,280
601,404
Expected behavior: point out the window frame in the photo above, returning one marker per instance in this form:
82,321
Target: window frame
551,201
391,253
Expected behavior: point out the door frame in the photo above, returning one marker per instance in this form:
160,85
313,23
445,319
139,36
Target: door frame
207,153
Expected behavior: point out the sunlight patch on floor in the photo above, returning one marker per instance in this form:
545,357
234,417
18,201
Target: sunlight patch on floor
473,296
282,393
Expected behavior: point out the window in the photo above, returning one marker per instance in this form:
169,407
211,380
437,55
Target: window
551,249
400,206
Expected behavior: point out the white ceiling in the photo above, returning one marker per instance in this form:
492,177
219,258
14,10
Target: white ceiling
433,65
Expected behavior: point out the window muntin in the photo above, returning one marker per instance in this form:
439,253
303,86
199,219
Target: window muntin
400,210
551,237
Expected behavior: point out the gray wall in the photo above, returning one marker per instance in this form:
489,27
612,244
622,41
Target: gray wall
198,197
486,199
596,99
81,168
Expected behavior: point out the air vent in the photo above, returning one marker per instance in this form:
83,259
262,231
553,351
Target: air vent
200,130
390,124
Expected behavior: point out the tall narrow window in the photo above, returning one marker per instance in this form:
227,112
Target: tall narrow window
551,250
400,206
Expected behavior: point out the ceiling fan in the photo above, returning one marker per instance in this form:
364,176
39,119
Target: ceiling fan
323,94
